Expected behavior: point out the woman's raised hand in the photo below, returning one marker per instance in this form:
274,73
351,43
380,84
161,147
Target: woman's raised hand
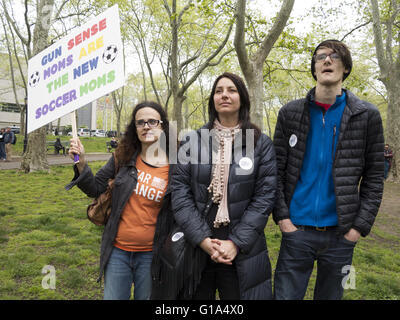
76,147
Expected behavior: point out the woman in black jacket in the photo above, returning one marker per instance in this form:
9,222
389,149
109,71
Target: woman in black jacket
140,201
223,190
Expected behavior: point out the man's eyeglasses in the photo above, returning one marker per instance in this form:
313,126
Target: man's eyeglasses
322,56
152,123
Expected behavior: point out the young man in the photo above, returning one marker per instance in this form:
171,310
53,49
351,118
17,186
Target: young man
329,149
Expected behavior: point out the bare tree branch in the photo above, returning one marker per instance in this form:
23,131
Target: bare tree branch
275,31
19,34
207,62
239,41
354,29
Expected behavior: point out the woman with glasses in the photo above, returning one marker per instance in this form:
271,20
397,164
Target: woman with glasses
140,201
223,190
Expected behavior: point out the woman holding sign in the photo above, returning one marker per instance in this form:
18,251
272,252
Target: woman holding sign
140,201
222,194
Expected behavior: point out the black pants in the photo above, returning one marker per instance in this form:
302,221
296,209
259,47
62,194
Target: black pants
218,276
57,150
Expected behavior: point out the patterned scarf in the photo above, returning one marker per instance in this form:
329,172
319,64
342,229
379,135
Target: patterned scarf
220,171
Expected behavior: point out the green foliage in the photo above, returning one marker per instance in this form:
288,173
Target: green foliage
203,26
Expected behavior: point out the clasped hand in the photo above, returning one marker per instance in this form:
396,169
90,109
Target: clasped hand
220,251
76,147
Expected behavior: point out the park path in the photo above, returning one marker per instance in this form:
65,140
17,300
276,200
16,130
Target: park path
15,163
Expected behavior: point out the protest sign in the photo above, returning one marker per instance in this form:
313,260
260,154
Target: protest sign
79,68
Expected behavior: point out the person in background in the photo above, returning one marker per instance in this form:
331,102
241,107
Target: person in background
58,146
9,140
329,149
222,197
388,159
114,143
2,145
140,200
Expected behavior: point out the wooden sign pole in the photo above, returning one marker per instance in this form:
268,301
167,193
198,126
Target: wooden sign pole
74,133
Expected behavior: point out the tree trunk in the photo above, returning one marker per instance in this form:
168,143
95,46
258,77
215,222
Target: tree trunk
118,101
393,124
179,85
22,118
252,67
256,92
58,125
389,66
34,158
177,111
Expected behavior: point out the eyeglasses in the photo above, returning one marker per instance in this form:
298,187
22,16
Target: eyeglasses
152,123
322,56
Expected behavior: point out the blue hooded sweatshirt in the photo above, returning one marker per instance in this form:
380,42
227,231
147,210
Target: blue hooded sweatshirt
314,202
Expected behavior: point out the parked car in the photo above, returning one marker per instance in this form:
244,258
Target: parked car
98,133
82,132
15,129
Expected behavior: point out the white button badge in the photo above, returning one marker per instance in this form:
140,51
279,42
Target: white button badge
245,163
292,140
177,236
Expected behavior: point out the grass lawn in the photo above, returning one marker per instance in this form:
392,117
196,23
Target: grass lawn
41,224
91,144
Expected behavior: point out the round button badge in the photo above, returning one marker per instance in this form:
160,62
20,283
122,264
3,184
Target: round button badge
292,140
245,163
177,236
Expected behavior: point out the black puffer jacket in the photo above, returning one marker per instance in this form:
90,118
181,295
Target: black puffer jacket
124,184
251,197
358,165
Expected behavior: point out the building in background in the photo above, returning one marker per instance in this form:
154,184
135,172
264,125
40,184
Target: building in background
87,116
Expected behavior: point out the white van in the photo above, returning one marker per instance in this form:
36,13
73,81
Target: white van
83,132
98,133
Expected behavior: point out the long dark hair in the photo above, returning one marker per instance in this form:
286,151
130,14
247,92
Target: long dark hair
244,111
130,142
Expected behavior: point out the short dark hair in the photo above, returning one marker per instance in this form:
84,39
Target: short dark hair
244,111
340,48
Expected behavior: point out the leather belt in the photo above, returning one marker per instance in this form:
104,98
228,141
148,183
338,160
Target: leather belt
316,228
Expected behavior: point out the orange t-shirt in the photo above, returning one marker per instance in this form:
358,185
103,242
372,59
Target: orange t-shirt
138,219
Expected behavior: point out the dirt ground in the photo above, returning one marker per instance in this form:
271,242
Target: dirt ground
388,219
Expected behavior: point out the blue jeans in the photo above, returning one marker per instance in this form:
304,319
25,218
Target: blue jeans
299,250
386,172
125,268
